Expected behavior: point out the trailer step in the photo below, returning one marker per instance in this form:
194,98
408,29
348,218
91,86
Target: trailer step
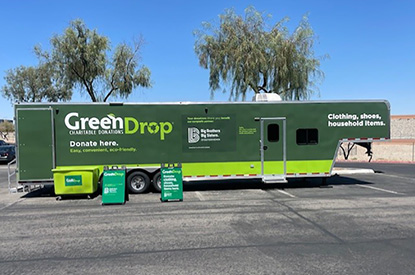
274,179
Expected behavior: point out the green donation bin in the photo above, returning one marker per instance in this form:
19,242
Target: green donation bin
75,181
171,182
113,186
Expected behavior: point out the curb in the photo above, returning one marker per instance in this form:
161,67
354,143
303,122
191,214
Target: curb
377,161
351,171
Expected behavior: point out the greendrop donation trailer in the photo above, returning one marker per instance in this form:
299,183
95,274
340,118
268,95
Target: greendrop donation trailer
271,141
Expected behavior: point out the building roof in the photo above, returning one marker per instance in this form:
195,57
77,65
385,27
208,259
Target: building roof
402,116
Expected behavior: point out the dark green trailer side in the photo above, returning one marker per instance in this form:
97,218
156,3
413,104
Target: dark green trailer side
271,140
35,144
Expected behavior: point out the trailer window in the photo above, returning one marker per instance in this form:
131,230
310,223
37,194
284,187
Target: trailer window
307,136
273,132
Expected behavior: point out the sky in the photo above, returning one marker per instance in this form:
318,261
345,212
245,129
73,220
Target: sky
370,44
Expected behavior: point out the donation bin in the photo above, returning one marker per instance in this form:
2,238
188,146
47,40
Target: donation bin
171,182
113,186
75,181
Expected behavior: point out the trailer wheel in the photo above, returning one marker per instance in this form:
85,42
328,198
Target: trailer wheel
138,182
157,182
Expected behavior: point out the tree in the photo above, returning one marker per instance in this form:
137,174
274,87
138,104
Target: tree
80,54
242,53
6,128
348,150
34,84
350,146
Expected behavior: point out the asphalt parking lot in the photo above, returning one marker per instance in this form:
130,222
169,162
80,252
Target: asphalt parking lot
362,224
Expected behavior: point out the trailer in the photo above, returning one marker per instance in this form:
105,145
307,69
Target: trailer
70,144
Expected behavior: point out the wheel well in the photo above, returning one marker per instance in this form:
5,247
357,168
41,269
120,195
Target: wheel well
150,172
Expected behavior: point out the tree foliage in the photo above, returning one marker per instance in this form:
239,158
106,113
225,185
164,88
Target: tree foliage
6,128
81,55
79,61
247,55
34,84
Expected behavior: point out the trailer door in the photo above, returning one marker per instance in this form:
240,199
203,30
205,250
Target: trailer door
273,147
35,157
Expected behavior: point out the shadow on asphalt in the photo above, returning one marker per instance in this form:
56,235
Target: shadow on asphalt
257,184
48,191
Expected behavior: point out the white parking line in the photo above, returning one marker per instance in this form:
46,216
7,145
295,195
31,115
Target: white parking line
286,193
380,189
199,196
12,203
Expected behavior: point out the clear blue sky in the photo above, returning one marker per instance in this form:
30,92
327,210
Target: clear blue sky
371,44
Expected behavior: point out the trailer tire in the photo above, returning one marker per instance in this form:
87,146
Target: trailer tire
138,182
157,182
